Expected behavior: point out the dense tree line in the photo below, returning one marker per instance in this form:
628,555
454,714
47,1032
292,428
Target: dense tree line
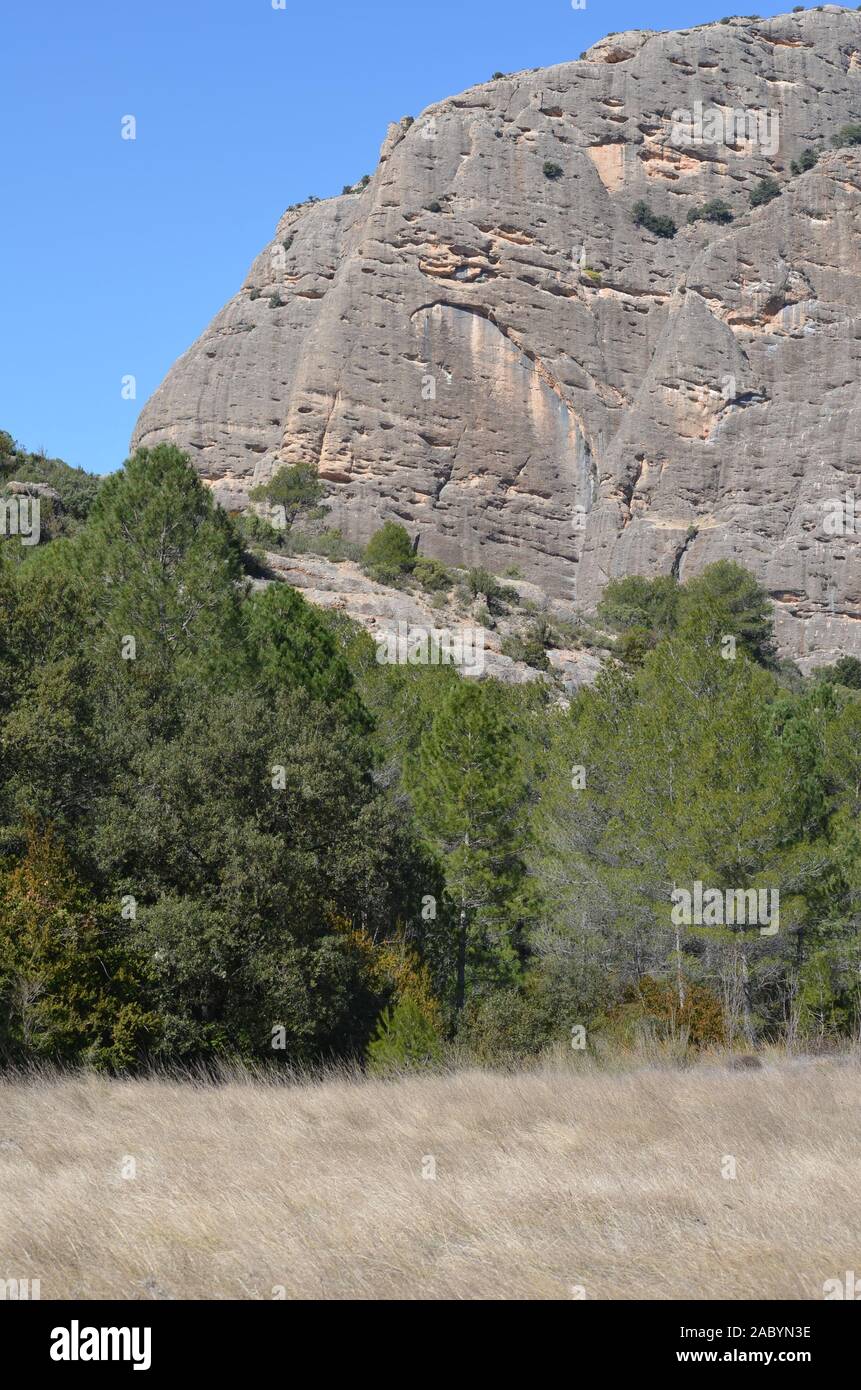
227,831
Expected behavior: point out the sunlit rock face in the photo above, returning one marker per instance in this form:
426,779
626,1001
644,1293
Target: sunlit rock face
484,345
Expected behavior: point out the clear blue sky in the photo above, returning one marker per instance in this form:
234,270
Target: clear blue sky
114,254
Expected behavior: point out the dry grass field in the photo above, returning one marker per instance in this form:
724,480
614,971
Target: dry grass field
544,1182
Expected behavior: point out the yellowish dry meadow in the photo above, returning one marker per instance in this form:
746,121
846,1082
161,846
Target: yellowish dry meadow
546,1182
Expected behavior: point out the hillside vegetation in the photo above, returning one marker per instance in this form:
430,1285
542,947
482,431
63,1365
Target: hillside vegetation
228,832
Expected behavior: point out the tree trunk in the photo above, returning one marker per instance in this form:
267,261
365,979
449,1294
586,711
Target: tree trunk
460,992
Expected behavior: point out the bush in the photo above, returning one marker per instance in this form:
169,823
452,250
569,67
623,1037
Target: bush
652,1007
255,294
806,160
506,1026
433,207
846,671
848,135
405,1037
481,581
764,191
329,543
496,76
529,646
551,170
715,211
637,603
643,216
482,584
275,301
389,554
431,575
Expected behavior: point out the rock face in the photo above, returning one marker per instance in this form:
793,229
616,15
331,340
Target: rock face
483,345
384,611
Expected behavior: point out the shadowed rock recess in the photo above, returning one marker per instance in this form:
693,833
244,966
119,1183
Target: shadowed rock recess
493,352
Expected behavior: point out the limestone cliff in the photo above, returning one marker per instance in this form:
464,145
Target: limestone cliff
483,344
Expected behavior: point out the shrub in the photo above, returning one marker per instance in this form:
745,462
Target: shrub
715,211
551,170
796,9
496,76
255,294
405,1037
481,583
275,301
764,191
507,1025
432,575
846,671
806,160
389,554
330,543
848,135
636,602
529,646
348,188
592,274
433,207
643,216
652,1006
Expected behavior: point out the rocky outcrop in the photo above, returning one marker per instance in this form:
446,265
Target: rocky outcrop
483,345
386,612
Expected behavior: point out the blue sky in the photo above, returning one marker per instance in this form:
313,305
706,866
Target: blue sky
114,254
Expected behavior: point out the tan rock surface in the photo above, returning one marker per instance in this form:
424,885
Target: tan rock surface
492,356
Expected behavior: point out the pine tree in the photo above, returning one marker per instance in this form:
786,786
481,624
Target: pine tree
469,794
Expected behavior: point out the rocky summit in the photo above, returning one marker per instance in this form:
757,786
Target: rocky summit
595,319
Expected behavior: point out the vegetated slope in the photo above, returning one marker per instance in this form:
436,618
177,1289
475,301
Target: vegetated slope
490,340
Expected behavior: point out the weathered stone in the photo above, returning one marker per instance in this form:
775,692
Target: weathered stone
379,609
506,363
28,489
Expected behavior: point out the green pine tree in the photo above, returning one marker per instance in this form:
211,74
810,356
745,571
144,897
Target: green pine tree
469,792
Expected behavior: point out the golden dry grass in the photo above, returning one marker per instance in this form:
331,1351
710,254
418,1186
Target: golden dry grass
544,1181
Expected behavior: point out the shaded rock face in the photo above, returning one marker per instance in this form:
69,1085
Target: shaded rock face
493,353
